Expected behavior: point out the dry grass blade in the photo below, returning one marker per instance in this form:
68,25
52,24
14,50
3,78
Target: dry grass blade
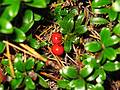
10,62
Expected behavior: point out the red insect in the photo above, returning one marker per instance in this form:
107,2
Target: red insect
56,38
57,49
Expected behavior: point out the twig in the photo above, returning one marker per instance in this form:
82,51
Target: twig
33,52
49,76
6,42
10,63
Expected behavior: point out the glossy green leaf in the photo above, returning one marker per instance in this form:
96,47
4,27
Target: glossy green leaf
43,44
101,77
90,86
111,66
105,35
63,83
15,83
7,2
67,45
112,15
7,69
5,26
78,84
12,10
18,35
116,29
18,74
66,25
86,70
94,75
37,17
34,43
5,62
37,3
69,71
26,26
100,3
29,64
42,82
98,20
98,87
27,0
29,83
2,47
110,53
116,6
93,46
112,40
39,65
79,20
100,10
2,87
76,39
18,64
80,29
28,16
118,50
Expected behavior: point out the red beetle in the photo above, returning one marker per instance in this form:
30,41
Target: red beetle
56,38
57,49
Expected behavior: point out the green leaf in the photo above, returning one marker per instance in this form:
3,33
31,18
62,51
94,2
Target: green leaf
37,3
105,35
5,62
12,10
78,84
7,69
5,26
112,14
93,46
29,64
116,29
90,86
63,83
110,53
2,47
112,40
101,77
66,25
116,6
98,20
80,29
42,82
27,0
39,65
28,16
100,10
118,50
69,71
15,83
100,3
37,17
94,75
79,20
18,74
18,35
18,64
111,66
2,87
67,45
26,26
86,70
98,87
29,83
34,43
43,44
